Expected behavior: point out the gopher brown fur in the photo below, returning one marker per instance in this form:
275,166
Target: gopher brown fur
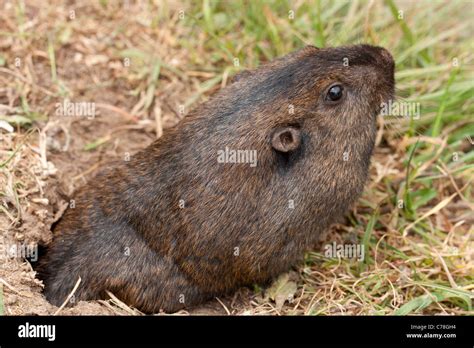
173,227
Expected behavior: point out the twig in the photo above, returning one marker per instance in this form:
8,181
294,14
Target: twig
223,305
68,298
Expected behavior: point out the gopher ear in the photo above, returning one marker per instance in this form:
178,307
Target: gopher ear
241,75
286,139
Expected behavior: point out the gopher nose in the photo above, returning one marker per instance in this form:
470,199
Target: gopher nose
386,55
386,58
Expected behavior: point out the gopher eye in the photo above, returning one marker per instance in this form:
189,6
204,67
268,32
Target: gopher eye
334,93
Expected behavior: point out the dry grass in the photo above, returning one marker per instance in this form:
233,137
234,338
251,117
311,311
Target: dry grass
146,65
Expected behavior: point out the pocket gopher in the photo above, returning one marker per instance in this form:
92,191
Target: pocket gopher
235,193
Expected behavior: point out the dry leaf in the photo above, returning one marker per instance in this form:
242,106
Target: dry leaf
283,289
